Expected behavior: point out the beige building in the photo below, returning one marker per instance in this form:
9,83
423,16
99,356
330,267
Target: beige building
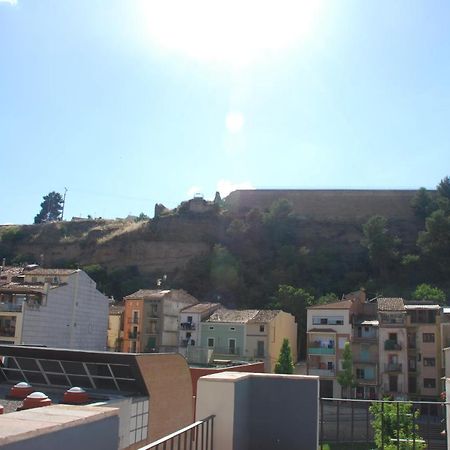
265,333
115,328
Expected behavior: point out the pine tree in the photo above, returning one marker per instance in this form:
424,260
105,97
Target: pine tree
285,363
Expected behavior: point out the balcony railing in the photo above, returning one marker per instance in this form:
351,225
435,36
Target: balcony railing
321,351
7,332
10,307
187,326
389,344
199,435
133,320
132,335
393,367
349,424
372,337
226,351
321,372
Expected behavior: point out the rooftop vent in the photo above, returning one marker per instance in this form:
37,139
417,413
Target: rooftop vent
21,390
76,396
35,400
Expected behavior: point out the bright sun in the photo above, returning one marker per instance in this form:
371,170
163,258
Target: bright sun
232,31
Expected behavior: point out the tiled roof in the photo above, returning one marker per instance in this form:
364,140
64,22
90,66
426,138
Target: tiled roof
148,293
391,304
116,310
265,315
233,315
200,307
344,304
39,271
21,288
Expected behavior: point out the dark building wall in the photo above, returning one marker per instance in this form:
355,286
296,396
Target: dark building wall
99,435
328,204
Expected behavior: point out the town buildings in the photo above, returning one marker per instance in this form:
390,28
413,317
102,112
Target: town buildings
249,335
396,346
151,320
52,307
115,328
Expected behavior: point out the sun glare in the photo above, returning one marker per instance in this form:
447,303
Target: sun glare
232,31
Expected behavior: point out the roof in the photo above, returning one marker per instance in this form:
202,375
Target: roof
148,293
21,288
391,304
233,315
116,310
432,307
343,304
200,307
446,310
265,315
48,272
373,323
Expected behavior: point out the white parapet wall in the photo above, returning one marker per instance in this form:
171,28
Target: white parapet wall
261,411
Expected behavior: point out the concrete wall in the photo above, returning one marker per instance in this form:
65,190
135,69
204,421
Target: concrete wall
60,426
261,411
328,204
281,327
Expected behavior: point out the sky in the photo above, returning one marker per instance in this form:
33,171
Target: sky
131,103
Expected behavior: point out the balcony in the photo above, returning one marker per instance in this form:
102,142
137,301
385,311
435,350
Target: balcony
393,367
321,351
10,307
132,335
134,320
226,351
321,372
389,344
7,332
365,337
187,326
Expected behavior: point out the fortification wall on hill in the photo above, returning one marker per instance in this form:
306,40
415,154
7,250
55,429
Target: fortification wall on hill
328,204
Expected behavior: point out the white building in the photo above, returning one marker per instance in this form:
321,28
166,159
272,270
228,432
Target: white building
55,308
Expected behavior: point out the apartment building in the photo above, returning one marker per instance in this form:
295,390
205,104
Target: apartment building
329,327
151,320
53,307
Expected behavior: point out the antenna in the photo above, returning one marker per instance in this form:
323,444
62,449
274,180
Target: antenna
64,203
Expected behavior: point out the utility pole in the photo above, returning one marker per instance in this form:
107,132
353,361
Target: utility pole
64,203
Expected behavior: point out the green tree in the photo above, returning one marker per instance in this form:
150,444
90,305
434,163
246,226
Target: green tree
224,271
381,245
427,292
142,217
284,363
423,203
396,421
346,377
51,208
443,188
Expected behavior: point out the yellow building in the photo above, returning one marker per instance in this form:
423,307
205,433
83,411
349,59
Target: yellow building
115,328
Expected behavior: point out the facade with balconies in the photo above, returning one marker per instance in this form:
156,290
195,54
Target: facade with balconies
151,320
329,327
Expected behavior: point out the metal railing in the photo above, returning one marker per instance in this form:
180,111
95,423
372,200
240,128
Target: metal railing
10,307
198,436
348,423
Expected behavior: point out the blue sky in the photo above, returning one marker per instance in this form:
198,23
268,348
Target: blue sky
130,103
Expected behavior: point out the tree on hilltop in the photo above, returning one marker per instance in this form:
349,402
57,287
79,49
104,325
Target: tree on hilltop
51,208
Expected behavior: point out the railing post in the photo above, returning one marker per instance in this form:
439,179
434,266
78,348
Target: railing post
398,426
382,425
321,423
352,420
337,420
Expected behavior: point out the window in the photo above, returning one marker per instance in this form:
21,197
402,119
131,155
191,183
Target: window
360,374
211,328
412,364
189,319
210,342
431,362
232,346
232,328
261,328
429,383
428,337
